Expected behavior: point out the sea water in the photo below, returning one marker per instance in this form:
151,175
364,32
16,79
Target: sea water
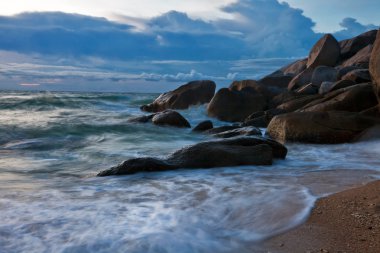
52,145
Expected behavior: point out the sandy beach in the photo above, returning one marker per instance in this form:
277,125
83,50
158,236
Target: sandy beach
348,221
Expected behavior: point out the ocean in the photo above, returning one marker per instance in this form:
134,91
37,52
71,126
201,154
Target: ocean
52,145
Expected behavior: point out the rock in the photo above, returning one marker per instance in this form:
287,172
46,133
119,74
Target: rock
342,71
262,119
354,99
203,126
324,74
221,153
301,79
243,131
141,119
283,98
370,134
360,59
298,103
221,129
374,65
325,52
251,86
352,46
235,106
192,93
319,127
341,84
325,87
170,118
308,89
372,112
276,82
358,76
295,67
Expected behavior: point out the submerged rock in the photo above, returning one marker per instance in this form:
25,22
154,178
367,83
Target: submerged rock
220,153
243,131
203,126
192,93
170,118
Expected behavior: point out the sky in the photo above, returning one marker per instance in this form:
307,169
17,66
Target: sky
146,45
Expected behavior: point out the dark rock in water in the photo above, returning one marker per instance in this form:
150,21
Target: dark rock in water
375,65
324,74
301,79
360,59
235,106
325,52
353,99
141,119
350,47
220,153
170,118
369,134
358,76
262,119
136,165
243,131
203,126
192,93
319,127
221,129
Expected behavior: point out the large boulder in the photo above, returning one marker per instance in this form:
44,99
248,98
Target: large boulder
360,59
243,131
327,87
353,99
235,106
301,79
221,153
252,85
203,126
352,46
170,118
325,52
192,93
319,127
374,65
295,104
358,76
324,74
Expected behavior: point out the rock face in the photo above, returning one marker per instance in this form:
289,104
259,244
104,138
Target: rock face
360,59
301,79
319,127
358,76
325,52
375,65
351,46
354,99
192,93
324,74
298,103
170,118
203,126
221,153
235,106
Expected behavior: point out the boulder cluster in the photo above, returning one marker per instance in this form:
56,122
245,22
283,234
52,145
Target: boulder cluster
330,97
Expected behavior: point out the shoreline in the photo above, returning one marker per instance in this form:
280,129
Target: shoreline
347,221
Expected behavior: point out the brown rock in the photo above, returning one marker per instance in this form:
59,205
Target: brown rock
295,68
170,118
243,131
203,126
301,79
192,93
351,46
298,103
358,76
325,87
341,84
325,52
374,65
324,74
342,71
308,89
319,127
355,99
235,106
250,85
360,59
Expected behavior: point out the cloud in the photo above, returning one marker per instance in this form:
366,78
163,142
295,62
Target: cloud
185,77
351,28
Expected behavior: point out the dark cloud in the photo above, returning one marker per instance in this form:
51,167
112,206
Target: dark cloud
351,27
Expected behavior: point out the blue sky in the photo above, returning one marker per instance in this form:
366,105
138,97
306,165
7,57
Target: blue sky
145,45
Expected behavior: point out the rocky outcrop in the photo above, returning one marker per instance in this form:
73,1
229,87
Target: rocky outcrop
192,93
375,65
329,87
203,126
221,153
170,118
350,47
235,106
298,103
360,59
319,127
358,76
353,99
301,79
242,131
325,52
262,119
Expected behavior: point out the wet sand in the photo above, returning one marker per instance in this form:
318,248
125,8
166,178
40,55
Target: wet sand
348,221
